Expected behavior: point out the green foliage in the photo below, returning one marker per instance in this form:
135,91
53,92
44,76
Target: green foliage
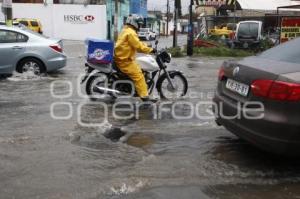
176,52
222,52
266,44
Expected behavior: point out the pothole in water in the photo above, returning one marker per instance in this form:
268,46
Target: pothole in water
114,134
134,139
140,140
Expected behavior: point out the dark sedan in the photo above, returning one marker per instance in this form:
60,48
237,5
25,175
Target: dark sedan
258,99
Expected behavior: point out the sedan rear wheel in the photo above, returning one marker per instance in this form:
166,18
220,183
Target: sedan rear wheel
31,65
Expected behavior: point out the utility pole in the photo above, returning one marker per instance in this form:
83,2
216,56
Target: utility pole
7,11
176,7
116,19
234,11
168,13
190,32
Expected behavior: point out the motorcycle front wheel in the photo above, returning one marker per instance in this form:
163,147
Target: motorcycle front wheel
169,92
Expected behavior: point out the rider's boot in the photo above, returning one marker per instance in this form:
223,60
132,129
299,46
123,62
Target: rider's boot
149,99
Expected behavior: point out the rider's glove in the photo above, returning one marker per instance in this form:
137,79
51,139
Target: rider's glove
154,51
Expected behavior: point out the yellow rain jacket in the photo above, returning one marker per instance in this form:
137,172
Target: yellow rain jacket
128,44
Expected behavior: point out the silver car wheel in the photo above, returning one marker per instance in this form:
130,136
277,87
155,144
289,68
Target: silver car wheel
31,66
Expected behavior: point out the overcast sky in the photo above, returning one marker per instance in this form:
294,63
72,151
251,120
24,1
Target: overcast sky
162,5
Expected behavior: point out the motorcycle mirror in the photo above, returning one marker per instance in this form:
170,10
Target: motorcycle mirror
156,42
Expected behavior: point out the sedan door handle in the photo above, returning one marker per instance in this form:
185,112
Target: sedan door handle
17,47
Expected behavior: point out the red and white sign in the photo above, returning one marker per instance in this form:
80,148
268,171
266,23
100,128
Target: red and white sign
290,28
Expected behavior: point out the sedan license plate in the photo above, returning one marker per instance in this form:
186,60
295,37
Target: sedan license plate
237,87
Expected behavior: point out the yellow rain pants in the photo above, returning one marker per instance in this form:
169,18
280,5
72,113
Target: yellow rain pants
128,44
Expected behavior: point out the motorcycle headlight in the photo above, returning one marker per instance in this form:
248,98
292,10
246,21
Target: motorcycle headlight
165,57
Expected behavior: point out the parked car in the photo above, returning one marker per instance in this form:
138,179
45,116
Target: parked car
223,30
265,86
248,34
147,34
32,24
22,50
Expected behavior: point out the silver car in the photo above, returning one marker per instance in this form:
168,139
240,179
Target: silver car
22,50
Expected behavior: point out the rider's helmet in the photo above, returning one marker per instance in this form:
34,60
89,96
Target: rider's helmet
135,21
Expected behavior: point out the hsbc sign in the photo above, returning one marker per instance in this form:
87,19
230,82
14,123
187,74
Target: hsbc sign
79,19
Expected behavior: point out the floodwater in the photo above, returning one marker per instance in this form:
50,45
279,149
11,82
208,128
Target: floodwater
159,156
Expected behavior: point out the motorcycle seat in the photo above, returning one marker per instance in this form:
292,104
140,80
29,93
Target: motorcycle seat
115,67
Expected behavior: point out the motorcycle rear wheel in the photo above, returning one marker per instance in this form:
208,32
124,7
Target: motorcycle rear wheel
97,79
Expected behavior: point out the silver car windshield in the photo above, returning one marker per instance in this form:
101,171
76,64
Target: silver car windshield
287,52
248,30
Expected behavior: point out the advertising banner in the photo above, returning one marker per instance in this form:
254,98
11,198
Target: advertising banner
215,3
290,28
66,21
78,22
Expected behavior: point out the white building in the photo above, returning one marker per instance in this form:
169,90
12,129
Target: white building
65,21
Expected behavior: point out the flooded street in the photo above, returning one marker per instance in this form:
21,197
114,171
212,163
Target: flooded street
162,157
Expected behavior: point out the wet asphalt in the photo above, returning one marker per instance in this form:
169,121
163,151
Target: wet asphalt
157,157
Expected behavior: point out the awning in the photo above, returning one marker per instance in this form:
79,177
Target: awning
265,4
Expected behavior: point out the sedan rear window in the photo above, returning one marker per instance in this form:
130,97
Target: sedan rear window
287,52
7,36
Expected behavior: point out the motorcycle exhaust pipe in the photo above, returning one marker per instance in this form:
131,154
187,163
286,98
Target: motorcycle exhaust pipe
108,91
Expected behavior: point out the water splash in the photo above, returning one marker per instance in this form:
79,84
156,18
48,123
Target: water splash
28,76
127,189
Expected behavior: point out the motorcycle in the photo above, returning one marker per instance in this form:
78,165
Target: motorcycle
106,79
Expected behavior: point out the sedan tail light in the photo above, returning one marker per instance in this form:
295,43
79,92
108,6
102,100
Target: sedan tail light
276,90
221,73
56,47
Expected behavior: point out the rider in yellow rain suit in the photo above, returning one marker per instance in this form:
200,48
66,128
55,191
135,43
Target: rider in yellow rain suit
128,44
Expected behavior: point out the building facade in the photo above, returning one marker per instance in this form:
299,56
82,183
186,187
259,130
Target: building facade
154,20
124,10
139,7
